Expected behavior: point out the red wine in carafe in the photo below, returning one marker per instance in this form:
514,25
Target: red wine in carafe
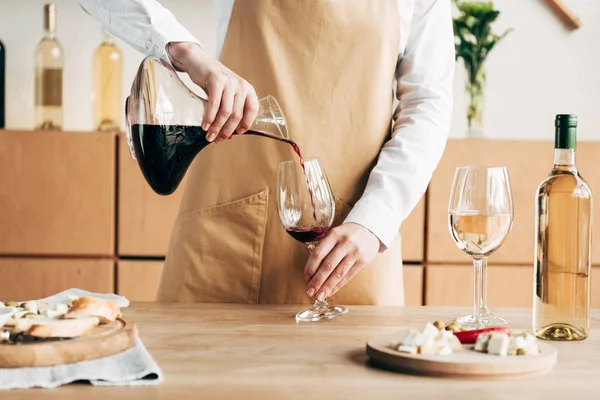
165,152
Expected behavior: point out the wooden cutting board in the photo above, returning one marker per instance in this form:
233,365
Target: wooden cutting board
102,341
465,364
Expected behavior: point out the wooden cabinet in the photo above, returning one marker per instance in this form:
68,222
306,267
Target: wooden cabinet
139,280
452,285
34,278
77,212
413,285
145,218
57,195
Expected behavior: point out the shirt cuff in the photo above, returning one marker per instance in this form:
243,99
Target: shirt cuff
377,217
177,34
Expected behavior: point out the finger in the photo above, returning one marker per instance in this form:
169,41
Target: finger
224,113
236,115
338,274
318,254
328,265
215,94
355,269
250,111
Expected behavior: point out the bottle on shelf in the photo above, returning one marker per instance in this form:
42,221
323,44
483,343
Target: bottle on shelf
107,75
2,85
49,76
563,238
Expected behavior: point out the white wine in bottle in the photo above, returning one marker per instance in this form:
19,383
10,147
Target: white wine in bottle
563,235
107,73
49,76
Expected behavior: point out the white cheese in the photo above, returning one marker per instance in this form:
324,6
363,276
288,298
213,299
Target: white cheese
525,342
407,349
430,330
50,313
516,343
498,344
481,344
445,350
61,308
2,305
412,338
31,306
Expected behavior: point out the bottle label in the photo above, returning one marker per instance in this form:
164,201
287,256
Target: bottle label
51,87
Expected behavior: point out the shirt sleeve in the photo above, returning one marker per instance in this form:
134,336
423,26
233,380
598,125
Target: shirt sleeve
145,25
421,124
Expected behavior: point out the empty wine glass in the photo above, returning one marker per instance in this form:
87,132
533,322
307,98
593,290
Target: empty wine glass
306,209
480,216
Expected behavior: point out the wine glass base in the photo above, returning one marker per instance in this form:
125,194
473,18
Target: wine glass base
482,321
321,313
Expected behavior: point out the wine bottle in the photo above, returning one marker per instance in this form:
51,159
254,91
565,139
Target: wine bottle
2,85
107,73
563,232
49,76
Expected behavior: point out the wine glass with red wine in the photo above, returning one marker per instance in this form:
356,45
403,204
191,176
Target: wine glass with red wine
306,209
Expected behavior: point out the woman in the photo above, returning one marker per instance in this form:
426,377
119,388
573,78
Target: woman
332,65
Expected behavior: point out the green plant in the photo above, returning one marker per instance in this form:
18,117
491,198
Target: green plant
474,40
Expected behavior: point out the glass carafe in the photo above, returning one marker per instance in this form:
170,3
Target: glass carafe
164,117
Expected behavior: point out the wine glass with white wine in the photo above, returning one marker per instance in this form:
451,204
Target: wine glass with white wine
480,216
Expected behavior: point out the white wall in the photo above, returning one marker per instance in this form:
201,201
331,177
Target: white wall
539,70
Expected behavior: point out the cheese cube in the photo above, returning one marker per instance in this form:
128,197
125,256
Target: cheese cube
430,330
61,308
407,349
445,350
412,338
498,344
481,344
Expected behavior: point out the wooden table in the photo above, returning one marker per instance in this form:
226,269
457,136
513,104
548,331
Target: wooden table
240,352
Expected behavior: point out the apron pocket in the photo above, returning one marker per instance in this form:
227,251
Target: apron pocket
220,250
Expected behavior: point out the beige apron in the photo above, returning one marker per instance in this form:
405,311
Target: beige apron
330,64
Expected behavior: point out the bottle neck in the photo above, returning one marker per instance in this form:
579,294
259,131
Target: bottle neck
564,158
50,20
50,34
565,143
108,38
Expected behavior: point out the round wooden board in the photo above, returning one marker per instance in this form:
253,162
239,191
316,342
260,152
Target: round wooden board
102,341
465,364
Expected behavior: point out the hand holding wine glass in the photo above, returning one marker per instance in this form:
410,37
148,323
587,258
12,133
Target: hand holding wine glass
306,209
480,216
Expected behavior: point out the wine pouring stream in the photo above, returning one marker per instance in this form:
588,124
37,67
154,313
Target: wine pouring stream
164,135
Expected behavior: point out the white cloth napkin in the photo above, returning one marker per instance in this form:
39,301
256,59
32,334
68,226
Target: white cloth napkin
132,367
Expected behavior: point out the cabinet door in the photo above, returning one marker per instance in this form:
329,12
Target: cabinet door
145,218
452,285
139,280
35,278
413,234
58,193
413,285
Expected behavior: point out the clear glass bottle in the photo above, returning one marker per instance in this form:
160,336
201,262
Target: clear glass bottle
49,76
107,75
563,231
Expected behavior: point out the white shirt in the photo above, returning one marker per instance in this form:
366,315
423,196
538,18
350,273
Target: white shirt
424,90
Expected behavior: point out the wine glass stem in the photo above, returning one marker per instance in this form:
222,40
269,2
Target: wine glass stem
480,303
